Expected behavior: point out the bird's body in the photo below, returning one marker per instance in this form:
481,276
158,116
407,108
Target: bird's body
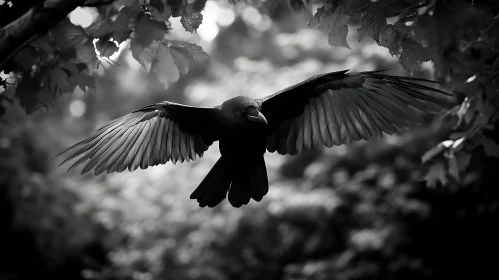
242,144
330,109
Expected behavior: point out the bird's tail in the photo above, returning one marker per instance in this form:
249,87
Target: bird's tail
213,189
253,184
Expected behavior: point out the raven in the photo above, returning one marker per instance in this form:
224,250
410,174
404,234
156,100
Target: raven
329,109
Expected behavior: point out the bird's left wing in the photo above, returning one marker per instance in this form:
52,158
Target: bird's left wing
146,137
339,108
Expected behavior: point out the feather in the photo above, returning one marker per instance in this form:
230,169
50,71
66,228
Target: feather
132,119
404,82
187,147
399,78
300,127
331,118
175,143
281,136
183,146
109,154
102,153
272,143
339,118
369,107
435,103
344,106
169,143
192,152
323,124
391,113
358,123
87,144
307,129
159,143
147,157
90,151
134,150
280,132
363,116
404,97
163,142
290,139
120,164
116,153
142,145
200,146
393,105
314,119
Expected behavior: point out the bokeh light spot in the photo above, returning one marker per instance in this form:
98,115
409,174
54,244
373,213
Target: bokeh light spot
83,17
77,108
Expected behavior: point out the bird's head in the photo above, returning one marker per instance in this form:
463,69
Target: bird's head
242,109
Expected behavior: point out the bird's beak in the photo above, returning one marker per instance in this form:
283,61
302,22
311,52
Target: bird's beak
255,115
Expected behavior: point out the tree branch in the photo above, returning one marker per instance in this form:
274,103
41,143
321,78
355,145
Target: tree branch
36,22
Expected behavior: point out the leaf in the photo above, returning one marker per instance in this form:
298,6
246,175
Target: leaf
371,25
68,35
184,53
159,9
389,8
430,154
58,78
106,47
413,54
70,39
85,53
298,5
168,60
122,25
148,30
191,19
333,21
44,43
118,29
436,173
388,36
25,59
69,66
84,81
490,146
27,91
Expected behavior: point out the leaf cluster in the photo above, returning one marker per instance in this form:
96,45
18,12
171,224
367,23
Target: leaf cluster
69,55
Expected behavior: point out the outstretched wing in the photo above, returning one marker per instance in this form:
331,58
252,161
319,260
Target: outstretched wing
146,137
339,108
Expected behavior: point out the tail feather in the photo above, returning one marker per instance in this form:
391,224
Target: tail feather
242,188
213,189
255,185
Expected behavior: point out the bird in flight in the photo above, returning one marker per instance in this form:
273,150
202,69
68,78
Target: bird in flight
329,109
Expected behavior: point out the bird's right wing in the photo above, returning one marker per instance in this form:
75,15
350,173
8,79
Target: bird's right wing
146,137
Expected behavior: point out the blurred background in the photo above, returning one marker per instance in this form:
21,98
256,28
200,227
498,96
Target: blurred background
361,211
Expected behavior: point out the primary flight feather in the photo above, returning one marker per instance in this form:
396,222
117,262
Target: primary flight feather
329,109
